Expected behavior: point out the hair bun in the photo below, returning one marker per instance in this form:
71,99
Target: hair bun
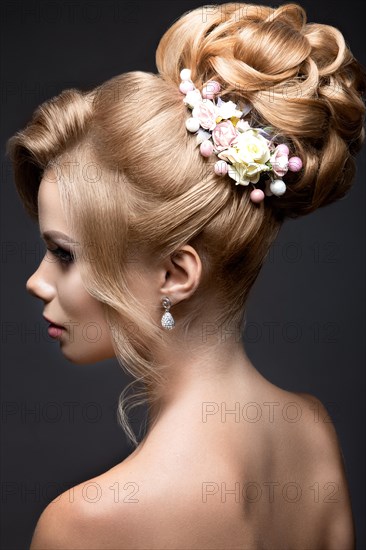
301,78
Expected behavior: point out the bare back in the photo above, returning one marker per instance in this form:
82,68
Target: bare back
274,479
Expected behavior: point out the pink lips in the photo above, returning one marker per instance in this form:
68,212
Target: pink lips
54,330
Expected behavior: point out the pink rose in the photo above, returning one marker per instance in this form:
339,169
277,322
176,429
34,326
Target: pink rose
205,112
279,161
223,134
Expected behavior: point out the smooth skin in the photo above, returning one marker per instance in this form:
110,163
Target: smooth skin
57,282
234,462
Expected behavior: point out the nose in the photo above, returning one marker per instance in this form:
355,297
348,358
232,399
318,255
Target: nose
41,284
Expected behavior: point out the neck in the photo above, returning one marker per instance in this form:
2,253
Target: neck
214,374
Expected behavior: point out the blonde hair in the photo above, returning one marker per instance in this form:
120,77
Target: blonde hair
152,191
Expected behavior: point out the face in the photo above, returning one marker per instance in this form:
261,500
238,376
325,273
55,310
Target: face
85,336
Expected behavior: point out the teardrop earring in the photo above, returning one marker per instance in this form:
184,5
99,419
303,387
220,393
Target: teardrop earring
167,320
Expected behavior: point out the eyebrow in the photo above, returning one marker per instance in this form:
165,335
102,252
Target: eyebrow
51,235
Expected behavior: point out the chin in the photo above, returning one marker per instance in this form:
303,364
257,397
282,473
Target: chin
87,358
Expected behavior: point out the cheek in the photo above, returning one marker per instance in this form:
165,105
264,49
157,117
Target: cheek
78,305
89,331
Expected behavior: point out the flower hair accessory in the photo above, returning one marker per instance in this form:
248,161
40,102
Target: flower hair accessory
245,152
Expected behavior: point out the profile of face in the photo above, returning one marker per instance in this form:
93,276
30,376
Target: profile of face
85,336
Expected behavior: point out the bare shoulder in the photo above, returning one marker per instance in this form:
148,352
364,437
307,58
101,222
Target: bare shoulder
155,508
86,516
320,428
329,473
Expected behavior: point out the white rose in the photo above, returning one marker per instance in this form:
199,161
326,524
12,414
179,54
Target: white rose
227,109
192,98
230,155
251,147
237,172
254,170
246,173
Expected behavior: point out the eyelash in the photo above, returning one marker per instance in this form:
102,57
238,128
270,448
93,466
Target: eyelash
62,255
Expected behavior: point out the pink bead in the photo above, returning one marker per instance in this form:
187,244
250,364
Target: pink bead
295,164
186,86
283,149
207,93
211,89
257,195
206,148
221,168
214,86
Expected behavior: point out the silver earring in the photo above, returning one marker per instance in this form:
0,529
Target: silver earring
167,320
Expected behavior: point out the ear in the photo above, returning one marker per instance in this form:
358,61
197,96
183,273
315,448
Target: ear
182,274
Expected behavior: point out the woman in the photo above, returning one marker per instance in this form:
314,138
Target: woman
168,190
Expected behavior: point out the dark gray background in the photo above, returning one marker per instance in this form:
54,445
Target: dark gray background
305,327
